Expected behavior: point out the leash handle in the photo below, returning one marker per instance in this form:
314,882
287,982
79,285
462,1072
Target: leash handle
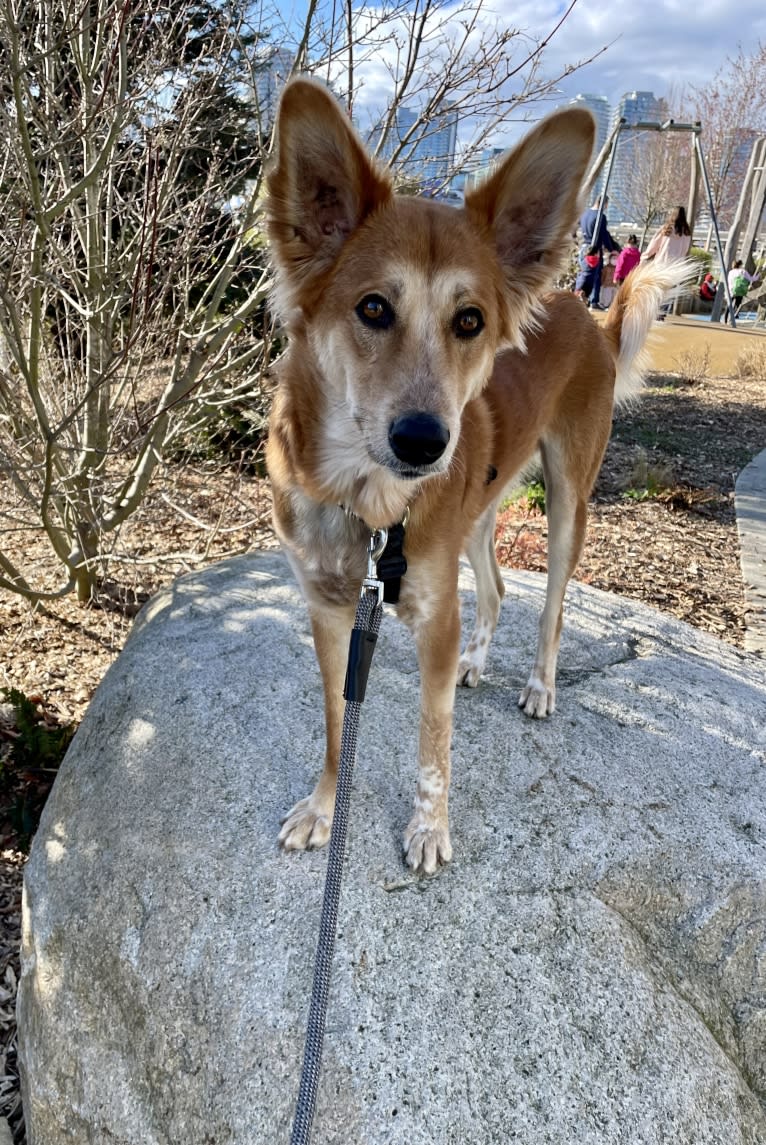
364,634
360,650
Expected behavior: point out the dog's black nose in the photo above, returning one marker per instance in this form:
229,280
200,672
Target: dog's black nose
418,438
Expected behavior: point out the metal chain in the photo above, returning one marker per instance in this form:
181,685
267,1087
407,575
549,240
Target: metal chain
368,617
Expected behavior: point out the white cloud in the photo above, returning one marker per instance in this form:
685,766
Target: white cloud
655,45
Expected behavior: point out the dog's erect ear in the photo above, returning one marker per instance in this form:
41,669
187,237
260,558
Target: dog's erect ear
322,185
529,204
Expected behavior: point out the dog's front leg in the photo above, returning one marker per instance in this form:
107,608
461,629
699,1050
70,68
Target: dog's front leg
308,824
426,840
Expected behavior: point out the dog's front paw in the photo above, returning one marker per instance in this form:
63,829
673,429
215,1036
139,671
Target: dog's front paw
307,826
426,844
538,699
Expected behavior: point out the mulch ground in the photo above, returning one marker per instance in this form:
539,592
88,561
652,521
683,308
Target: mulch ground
662,530
662,527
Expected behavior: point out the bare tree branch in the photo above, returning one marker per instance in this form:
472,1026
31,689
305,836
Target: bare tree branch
133,271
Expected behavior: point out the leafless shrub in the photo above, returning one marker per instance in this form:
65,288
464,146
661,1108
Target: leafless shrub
751,363
131,245
694,365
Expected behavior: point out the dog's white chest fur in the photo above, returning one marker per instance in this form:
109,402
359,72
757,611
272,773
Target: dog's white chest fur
328,550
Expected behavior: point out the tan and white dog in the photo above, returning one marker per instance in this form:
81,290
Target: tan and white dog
424,359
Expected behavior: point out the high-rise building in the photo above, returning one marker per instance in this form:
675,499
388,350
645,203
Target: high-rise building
640,107
427,152
634,107
437,147
599,107
272,70
394,145
478,167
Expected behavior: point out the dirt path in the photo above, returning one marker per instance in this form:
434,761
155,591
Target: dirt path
678,336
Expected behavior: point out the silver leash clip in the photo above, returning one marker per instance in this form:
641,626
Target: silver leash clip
375,546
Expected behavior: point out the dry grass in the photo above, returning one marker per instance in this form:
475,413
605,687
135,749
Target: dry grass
647,478
751,363
694,365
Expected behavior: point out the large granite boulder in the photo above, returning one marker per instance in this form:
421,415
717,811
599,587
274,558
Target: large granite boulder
749,499
590,969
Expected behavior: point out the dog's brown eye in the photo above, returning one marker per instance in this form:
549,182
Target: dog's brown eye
468,323
375,311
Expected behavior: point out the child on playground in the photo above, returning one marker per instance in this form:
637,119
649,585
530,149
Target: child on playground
627,259
608,279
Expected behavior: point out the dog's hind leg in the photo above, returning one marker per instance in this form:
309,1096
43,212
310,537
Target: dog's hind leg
566,510
308,824
490,590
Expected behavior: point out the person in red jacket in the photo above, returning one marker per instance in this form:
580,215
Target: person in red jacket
628,257
708,288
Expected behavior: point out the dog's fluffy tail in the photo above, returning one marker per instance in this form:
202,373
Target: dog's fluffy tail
632,314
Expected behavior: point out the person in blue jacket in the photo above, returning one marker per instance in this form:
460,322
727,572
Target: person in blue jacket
591,256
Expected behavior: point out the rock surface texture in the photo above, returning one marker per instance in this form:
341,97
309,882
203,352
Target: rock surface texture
750,503
590,969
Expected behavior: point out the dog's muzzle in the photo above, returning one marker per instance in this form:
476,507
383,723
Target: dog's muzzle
418,438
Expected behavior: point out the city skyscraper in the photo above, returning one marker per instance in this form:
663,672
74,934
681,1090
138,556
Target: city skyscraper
428,153
600,109
634,107
438,145
272,70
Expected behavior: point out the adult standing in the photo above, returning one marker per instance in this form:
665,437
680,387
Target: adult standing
670,244
672,240
591,258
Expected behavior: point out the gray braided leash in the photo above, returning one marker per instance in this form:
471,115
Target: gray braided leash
366,627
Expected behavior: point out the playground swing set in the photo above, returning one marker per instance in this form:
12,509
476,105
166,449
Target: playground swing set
754,187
